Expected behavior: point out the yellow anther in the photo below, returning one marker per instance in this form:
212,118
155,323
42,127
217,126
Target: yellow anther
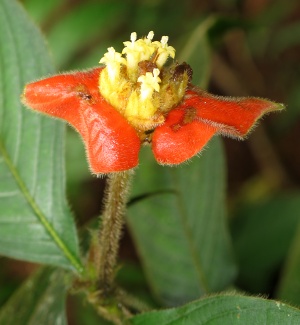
137,51
150,36
164,41
164,51
149,83
112,56
112,59
133,37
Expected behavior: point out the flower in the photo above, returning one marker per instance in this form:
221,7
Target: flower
137,99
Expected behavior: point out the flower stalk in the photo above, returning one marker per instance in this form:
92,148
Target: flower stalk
111,229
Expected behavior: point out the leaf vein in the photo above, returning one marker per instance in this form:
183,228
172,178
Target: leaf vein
48,226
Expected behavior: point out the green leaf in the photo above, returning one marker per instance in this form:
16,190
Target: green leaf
39,301
197,52
82,25
180,233
41,10
286,37
289,285
262,234
223,310
84,313
35,221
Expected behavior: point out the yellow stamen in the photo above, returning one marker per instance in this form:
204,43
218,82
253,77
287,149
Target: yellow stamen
131,83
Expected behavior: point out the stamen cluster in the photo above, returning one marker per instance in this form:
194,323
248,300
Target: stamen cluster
138,85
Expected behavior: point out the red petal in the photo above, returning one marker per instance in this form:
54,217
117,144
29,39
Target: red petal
61,95
176,141
111,142
233,116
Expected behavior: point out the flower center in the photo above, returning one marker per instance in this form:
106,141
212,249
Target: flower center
139,85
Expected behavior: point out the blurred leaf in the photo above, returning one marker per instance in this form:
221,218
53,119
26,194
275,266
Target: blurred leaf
39,301
224,24
265,26
77,166
262,234
84,313
291,115
8,283
285,38
85,22
35,220
39,10
182,238
132,279
223,310
196,53
289,286
275,12
159,16
92,57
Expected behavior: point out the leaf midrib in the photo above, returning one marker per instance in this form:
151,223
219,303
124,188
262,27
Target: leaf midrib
189,236
37,211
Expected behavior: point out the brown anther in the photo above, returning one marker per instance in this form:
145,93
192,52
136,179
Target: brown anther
146,66
181,69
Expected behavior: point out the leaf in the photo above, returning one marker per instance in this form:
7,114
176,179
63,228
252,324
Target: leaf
286,37
84,313
289,285
181,237
262,234
81,26
40,300
35,220
197,52
41,10
223,310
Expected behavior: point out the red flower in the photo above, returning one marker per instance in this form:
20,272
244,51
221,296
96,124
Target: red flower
178,119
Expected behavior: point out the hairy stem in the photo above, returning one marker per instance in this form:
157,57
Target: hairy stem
111,228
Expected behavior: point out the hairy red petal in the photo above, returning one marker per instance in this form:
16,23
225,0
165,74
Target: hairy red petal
61,95
233,116
112,144
178,139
